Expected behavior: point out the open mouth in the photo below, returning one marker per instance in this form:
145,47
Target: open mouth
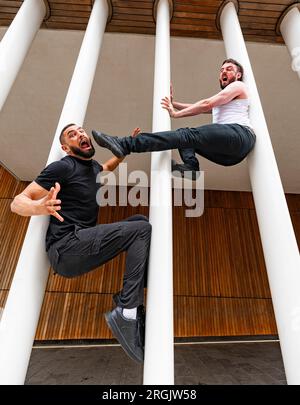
84,144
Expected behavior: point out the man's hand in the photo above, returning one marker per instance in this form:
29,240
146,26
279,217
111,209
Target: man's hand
167,105
49,205
136,131
171,92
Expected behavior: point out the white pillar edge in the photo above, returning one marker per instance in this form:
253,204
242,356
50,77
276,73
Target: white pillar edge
21,312
159,345
277,235
17,41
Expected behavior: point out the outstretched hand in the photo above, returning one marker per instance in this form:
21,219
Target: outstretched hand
167,105
136,131
49,205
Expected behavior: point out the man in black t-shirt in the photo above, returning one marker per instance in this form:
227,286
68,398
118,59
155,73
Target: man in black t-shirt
75,244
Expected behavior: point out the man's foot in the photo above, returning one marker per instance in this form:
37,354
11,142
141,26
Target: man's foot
109,142
126,331
183,170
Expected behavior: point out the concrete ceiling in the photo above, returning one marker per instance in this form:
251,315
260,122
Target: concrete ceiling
122,99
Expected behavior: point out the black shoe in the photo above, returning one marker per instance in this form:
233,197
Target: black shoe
109,142
183,170
126,332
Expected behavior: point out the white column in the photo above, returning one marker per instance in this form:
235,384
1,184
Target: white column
16,43
276,230
290,30
21,313
159,345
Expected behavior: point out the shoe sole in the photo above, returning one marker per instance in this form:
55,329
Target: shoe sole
187,174
105,144
118,335
177,173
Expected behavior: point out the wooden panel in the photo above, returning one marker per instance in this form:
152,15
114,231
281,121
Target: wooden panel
246,275
63,314
203,316
8,184
12,228
192,18
12,232
232,199
293,201
3,297
227,259
194,266
74,316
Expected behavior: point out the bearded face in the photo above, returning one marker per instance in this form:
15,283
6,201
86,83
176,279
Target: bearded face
86,153
229,73
78,142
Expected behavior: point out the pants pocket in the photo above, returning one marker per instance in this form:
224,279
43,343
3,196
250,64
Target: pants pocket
86,242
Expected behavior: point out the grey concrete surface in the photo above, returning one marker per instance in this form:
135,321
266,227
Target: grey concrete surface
256,363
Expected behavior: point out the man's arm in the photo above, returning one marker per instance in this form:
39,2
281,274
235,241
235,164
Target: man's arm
232,91
180,106
36,200
111,164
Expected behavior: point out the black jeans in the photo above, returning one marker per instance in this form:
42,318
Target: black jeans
225,144
87,248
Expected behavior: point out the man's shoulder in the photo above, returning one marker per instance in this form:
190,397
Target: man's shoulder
238,89
237,84
65,164
58,170
66,160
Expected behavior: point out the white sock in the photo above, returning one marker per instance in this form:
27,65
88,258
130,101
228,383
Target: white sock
129,313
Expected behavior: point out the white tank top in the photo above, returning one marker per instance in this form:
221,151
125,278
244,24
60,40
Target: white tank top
234,112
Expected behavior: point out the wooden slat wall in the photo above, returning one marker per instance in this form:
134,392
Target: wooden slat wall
191,18
220,282
12,230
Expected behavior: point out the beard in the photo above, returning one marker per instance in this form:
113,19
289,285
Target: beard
228,82
82,153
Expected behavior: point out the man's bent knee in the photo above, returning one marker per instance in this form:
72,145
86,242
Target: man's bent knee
148,227
137,217
142,227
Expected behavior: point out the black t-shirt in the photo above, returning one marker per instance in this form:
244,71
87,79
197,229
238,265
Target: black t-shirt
77,179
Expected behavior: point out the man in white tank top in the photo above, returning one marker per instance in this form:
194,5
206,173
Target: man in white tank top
226,142
229,106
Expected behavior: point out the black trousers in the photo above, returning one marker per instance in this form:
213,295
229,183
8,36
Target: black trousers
85,249
225,144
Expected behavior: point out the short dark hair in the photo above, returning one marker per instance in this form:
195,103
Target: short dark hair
237,64
62,136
